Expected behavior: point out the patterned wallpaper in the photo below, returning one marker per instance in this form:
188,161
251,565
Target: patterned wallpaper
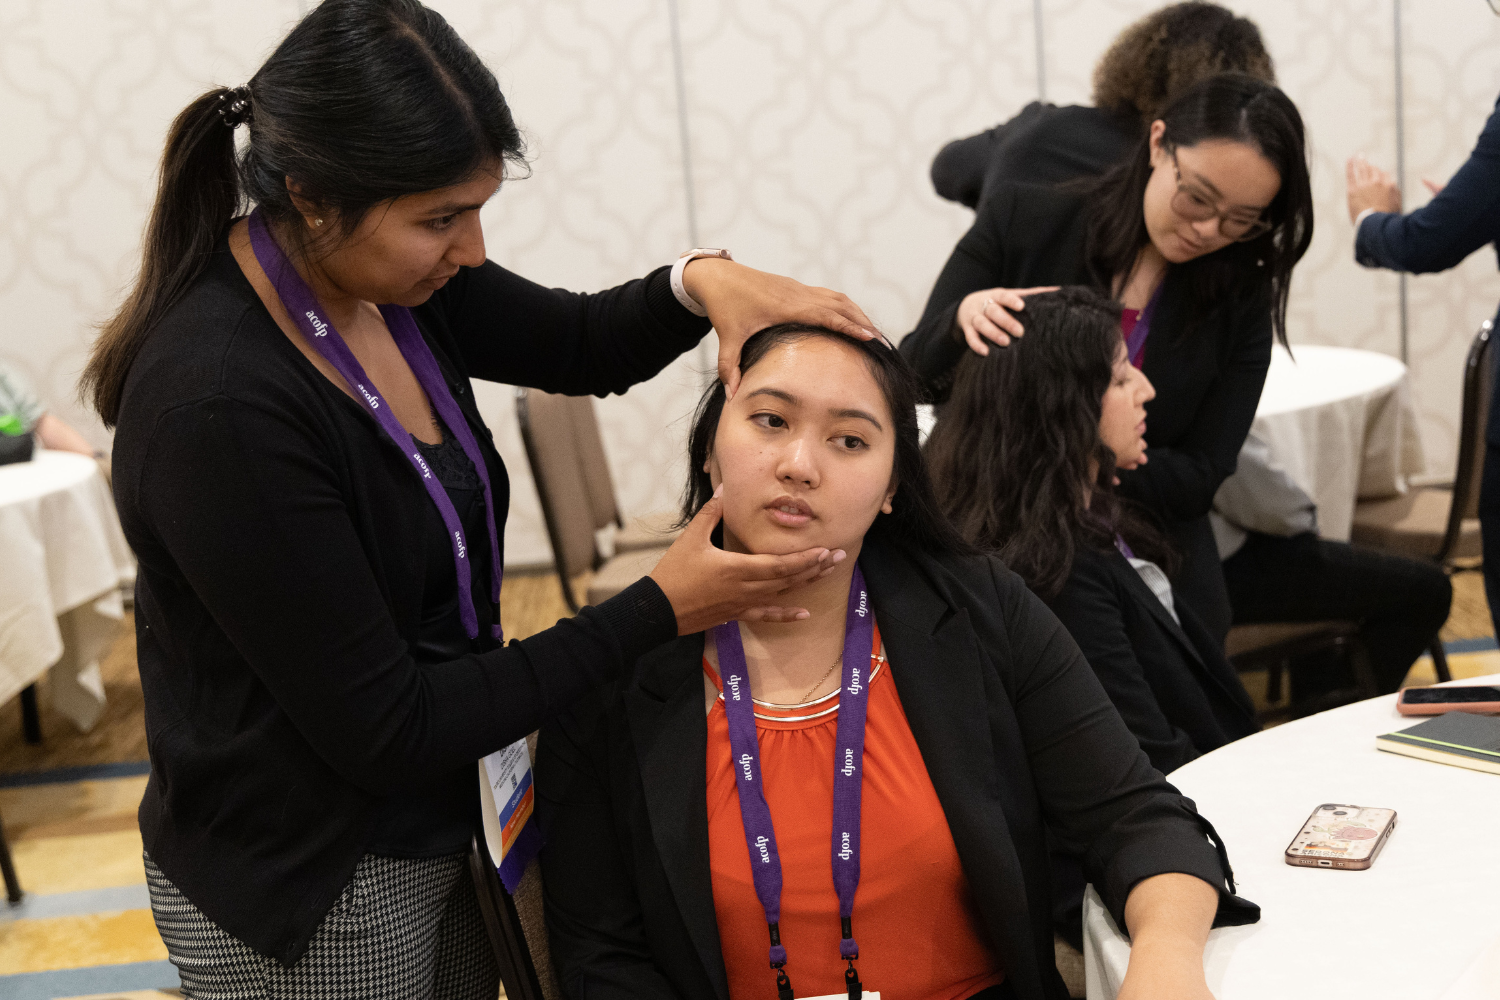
809,126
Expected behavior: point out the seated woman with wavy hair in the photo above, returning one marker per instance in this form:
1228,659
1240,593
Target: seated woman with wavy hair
862,796
1024,460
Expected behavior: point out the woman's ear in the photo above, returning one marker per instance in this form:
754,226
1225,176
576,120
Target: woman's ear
890,494
1158,153
311,214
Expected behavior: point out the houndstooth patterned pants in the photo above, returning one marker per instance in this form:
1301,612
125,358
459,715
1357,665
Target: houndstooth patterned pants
404,929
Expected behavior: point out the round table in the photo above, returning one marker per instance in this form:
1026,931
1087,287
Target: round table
1343,424
1407,928
62,560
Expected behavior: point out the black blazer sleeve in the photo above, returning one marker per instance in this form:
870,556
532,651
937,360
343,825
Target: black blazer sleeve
935,347
1100,795
1463,217
1181,480
594,917
508,329
1091,609
959,169
247,502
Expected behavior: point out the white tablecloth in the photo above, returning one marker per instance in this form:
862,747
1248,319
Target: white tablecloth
1342,422
62,560
1422,924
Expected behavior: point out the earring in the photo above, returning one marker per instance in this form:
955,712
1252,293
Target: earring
317,222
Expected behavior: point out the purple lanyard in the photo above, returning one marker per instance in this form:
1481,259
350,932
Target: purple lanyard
1124,547
304,309
1135,344
848,770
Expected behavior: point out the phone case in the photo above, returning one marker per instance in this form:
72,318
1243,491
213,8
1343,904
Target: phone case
1341,836
1442,708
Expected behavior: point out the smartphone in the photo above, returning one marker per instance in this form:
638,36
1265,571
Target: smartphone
1437,700
1339,836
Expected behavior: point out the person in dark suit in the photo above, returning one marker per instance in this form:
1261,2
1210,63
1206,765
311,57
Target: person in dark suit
1024,460
1463,216
1196,234
1151,63
983,728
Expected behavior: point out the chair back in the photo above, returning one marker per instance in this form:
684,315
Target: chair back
1479,377
548,430
516,923
595,463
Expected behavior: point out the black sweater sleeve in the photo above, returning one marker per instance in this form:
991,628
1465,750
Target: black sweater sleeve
247,504
1100,795
1181,480
512,330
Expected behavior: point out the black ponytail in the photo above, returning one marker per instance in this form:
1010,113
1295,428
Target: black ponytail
363,102
196,198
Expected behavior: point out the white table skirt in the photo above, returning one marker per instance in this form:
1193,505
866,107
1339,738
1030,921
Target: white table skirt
1343,424
62,560
1423,923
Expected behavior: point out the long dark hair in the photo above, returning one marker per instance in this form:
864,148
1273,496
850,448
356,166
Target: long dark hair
1011,451
914,518
363,102
1238,108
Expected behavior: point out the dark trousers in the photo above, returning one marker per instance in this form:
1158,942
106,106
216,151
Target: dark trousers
1489,527
1399,603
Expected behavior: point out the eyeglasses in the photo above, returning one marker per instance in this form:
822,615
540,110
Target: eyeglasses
1193,203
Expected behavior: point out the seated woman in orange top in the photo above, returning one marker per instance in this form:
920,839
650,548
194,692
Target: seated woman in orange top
856,801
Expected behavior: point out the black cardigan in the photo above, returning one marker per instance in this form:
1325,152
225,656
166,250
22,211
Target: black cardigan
282,542
1043,144
1170,682
1013,727
1208,378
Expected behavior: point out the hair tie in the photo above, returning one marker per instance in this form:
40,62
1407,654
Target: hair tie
234,107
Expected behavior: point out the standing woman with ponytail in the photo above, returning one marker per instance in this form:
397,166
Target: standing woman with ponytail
318,508
1196,235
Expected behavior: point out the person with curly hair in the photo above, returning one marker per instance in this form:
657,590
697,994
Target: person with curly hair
1150,64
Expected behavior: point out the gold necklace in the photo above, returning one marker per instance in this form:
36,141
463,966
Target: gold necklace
837,660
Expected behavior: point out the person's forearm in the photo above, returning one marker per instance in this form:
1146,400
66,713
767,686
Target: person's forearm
1169,917
56,435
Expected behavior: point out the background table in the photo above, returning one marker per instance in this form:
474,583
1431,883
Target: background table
62,560
1342,422
1405,929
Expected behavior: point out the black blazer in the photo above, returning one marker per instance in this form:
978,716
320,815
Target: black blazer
1208,377
1013,727
1043,144
1170,682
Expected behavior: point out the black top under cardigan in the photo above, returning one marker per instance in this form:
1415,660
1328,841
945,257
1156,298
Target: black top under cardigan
284,545
1042,144
1015,732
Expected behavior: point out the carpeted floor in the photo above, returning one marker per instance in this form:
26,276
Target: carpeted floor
69,804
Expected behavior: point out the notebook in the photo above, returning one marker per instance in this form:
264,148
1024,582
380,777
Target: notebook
1457,738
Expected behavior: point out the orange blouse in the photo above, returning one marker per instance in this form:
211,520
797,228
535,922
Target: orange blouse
919,933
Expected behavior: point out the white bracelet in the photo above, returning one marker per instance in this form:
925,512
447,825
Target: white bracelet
679,291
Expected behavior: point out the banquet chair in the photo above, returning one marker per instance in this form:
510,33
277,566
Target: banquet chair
8,869
572,480
1274,646
516,924
1440,523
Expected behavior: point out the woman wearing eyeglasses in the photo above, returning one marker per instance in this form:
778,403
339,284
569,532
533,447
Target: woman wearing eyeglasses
1196,235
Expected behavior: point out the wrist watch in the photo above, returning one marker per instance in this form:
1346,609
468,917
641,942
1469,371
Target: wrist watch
679,291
